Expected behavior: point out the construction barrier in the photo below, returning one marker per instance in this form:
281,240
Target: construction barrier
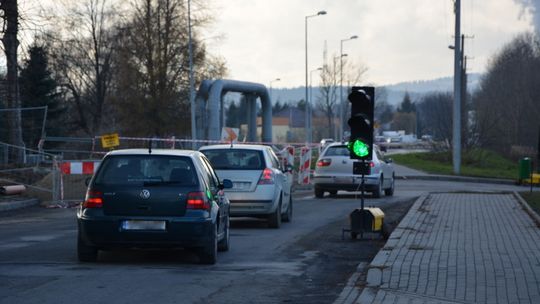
304,172
79,167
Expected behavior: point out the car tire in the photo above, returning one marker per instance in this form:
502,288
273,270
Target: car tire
319,193
208,253
390,191
224,244
274,219
287,216
86,253
378,192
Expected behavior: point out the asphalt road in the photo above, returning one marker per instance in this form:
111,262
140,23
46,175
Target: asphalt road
305,261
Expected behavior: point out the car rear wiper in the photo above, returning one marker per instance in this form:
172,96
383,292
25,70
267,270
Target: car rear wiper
162,183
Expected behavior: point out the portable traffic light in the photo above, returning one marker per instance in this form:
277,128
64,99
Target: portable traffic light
361,122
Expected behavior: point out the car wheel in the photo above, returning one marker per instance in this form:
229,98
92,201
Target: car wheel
208,254
86,253
378,192
390,191
274,219
223,245
287,216
333,192
319,193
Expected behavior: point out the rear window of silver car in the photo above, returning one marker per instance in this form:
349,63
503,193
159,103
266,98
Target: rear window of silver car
156,169
337,151
235,159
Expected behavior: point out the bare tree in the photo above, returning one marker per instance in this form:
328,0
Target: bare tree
433,111
11,44
506,106
328,94
328,98
152,93
82,58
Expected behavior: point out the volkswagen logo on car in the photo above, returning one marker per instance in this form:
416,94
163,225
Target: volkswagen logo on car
145,194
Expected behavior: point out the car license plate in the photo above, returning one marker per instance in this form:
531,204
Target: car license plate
240,185
343,180
143,225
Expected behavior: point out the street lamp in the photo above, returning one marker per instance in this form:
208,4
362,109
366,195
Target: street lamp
341,86
270,86
307,122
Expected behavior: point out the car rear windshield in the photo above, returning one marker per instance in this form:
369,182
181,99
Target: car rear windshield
147,169
235,159
337,151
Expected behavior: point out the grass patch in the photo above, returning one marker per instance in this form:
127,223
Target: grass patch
533,199
480,163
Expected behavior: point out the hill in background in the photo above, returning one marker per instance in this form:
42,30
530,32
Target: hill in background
395,92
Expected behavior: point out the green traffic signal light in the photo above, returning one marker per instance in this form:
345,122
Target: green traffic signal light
359,148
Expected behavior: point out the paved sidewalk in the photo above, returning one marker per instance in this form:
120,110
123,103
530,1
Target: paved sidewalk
458,248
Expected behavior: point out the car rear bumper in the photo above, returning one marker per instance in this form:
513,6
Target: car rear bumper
252,203
345,183
108,232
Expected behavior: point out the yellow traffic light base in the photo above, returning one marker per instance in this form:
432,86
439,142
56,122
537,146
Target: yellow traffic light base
365,220
534,179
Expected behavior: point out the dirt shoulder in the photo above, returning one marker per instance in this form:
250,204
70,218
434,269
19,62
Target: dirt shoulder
337,259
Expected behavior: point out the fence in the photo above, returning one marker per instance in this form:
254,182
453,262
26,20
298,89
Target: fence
38,172
58,171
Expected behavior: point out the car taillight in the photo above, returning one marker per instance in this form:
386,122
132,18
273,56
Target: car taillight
371,164
198,201
93,199
325,162
267,177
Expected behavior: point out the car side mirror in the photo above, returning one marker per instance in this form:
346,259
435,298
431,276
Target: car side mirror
226,184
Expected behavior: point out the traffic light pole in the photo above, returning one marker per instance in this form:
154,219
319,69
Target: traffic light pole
362,201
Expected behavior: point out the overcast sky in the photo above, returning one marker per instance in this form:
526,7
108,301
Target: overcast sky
398,40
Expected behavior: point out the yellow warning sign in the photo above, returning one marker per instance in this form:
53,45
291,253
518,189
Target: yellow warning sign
110,140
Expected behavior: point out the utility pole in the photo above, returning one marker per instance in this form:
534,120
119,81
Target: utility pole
456,147
191,82
464,116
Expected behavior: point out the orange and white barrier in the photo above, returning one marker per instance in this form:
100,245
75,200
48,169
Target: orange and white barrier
79,167
304,171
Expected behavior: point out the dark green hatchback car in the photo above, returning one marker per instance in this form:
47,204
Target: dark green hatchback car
154,199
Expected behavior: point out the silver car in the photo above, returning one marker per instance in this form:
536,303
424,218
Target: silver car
261,187
334,172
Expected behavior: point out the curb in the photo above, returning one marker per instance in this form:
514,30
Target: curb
375,268
534,216
458,179
12,205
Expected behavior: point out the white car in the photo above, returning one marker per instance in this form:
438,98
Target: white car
261,187
334,171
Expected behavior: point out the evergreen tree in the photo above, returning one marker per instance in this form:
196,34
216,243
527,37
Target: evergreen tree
38,89
407,106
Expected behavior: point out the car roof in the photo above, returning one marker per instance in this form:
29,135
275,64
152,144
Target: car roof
170,152
236,146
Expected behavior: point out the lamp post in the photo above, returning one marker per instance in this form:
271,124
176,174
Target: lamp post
341,86
270,86
307,122
311,99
